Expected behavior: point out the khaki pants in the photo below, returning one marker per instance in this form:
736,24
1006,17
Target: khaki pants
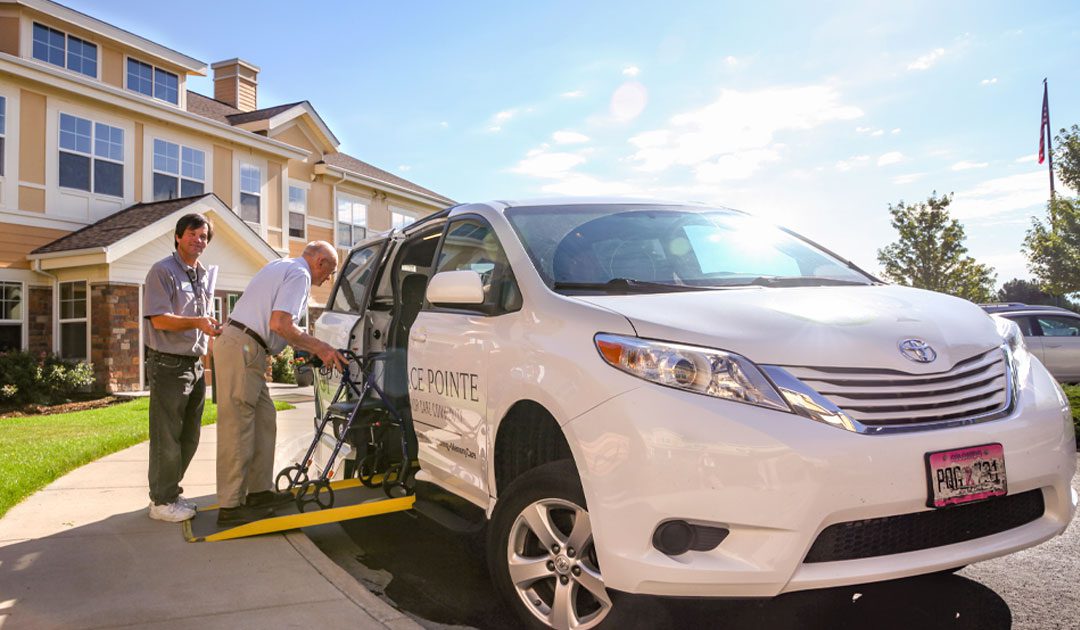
247,420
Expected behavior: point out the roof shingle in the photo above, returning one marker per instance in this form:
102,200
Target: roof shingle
117,226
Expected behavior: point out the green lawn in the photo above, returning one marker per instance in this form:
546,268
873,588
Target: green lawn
35,450
1073,392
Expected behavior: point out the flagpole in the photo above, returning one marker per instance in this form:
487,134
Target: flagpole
1049,136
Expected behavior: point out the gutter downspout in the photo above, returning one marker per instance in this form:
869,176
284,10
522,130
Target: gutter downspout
36,268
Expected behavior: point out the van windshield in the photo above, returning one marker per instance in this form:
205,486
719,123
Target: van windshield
648,249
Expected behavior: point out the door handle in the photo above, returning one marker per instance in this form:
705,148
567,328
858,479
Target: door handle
418,337
1056,345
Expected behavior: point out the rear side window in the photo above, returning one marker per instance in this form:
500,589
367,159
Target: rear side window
356,278
471,244
1057,326
1025,325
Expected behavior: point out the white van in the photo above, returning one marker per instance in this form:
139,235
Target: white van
664,399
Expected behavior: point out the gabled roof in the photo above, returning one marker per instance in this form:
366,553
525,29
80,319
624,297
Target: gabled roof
261,114
348,163
117,226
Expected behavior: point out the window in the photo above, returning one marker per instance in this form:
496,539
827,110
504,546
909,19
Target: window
356,278
73,320
67,51
11,316
155,82
351,221
1059,326
178,171
297,212
3,135
217,309
91,156
233,298
399,220
250,193
471,244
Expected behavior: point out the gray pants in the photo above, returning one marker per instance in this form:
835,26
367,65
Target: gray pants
177,394
247,420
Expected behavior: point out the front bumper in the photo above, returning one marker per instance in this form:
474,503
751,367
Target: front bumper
776,480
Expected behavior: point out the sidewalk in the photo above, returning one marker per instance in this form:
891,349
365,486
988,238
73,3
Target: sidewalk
82,553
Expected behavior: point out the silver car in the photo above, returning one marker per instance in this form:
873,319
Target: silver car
1052,334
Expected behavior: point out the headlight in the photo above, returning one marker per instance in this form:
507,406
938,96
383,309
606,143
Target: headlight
1016,349
700,370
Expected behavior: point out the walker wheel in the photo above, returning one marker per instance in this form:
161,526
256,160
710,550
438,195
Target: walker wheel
399,487
318,492
371,466
294,475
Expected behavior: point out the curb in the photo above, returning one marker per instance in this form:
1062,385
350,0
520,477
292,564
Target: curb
348,586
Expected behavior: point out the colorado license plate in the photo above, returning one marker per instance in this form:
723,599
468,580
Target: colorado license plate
965,474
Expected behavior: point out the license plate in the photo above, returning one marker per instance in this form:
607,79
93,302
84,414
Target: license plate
964,475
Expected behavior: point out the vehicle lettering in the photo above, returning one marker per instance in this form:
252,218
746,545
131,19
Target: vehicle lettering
450,447
462,385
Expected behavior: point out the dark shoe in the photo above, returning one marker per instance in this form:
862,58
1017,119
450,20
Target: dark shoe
268,498
242,514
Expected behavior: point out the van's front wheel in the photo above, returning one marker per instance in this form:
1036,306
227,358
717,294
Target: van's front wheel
541,552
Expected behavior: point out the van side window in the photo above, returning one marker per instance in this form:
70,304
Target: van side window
356,276
471,244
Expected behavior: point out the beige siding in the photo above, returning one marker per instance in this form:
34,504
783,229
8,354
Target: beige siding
320,234
223,184
139,165
112,67
320,202
274,238
16,241
9,35
31,199
273,196
32,137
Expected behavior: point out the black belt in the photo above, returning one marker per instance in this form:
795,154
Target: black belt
251,333
182,357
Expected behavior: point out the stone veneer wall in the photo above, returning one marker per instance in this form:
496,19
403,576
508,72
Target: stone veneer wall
40,329
114,336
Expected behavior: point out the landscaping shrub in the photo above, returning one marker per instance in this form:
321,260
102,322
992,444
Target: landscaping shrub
1073,392
282,367
28,379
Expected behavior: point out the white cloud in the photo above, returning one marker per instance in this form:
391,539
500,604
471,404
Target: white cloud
964,165
878,132
573,94
863,129
569,137
857,160
628,101
501,118
541,163
404,167
1031,157
927,60
731,61
892,157
737,124
989,81
444,124
895,131
631,71
907,179
1002,194
576,184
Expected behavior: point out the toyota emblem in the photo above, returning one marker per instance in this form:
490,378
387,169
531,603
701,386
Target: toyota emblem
917,350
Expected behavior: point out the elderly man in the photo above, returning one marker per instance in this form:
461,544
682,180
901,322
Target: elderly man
177,301
261,324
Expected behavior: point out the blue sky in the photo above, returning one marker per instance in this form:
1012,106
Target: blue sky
813,115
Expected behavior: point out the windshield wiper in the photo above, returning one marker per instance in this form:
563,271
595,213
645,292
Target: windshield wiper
627,285
803,281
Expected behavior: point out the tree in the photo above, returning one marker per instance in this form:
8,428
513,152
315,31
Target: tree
930,253
1028,292
1052,245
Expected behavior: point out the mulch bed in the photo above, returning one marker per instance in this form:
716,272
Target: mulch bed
74,405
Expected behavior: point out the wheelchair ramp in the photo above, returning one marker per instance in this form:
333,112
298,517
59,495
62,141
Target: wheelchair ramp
351,500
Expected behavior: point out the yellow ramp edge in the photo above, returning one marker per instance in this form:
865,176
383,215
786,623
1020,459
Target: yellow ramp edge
307,519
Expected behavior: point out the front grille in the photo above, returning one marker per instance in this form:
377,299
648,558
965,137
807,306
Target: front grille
977,386
923,530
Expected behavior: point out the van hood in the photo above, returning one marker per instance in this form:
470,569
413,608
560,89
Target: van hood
851,326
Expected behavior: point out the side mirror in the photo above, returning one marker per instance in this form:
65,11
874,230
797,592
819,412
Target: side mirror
456,288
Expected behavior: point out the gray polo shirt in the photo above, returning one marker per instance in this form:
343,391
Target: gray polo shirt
282,285
169,290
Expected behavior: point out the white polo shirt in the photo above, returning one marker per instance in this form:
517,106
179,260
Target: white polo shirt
282,285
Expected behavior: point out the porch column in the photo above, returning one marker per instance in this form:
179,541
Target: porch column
114,336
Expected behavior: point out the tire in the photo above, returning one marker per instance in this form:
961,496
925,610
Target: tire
550,498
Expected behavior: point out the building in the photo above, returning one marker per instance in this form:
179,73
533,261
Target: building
102,148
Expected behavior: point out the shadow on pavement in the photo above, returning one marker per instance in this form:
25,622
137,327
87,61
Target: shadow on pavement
441,578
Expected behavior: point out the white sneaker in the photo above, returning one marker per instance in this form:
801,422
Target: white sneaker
186,502
171,512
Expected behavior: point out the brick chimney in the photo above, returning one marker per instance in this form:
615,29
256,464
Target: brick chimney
236,82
